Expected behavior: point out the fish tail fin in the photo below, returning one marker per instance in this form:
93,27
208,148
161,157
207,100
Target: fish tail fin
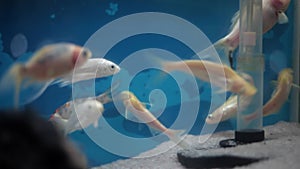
174,135
222,48
17,72
249,118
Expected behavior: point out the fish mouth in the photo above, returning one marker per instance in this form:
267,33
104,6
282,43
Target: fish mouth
117,69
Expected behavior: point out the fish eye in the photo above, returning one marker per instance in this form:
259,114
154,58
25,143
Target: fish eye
84,53
112,66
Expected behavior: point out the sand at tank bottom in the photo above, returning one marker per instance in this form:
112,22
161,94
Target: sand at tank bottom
281,147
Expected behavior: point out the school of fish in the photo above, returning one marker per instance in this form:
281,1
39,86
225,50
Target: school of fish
66,63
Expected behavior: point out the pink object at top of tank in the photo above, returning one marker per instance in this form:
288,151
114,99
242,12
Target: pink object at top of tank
280,4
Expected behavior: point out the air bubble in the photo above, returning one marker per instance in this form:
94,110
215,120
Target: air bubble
18,45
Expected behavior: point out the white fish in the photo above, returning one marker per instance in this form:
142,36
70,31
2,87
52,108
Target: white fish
273,12
92,69
84,115
134,106
67,109
230,107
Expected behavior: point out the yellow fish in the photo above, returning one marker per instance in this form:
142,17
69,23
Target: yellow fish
280,95
220,74
133,105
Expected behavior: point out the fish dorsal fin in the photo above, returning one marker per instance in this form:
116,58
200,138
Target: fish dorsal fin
274,83
234,19
146,104
282,18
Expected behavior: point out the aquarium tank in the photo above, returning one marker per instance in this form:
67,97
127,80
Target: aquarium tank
141,41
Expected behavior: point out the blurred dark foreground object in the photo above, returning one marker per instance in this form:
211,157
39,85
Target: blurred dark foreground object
29,142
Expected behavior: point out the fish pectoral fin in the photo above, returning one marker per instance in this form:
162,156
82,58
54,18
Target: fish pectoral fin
96,124
296,86
126,114
147,104
282,18
274,83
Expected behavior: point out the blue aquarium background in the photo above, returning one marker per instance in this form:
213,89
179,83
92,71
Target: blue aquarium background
50,21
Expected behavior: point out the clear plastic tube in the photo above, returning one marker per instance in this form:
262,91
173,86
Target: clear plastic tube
295,107
251,62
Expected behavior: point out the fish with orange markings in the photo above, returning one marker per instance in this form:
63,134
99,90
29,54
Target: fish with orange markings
272,11
65,110
85,114
48,63
138,109
280,95
220,75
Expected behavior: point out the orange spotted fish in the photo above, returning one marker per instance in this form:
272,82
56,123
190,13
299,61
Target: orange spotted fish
48,63
82,116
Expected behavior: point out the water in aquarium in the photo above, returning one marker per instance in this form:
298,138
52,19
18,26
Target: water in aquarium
119,78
